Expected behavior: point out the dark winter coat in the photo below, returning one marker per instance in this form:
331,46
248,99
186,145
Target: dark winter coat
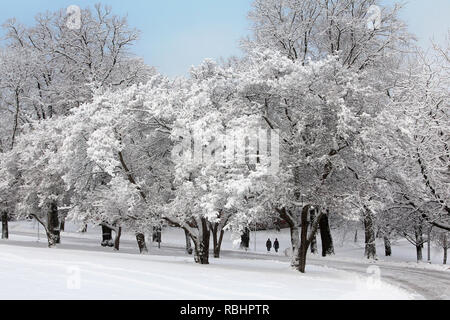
276,245
269,244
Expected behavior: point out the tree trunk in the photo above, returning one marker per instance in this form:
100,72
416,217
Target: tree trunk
53,225
62,224
188,243
419,242
51,240
419,253
213,229
106,236
294,230
219,244
314,249
217,239
312,218
325,234
5,232
445,255
387,246
445,245
303,250
117,239
202,243
140,238
429,246
370,250
356,236
298,251
295,243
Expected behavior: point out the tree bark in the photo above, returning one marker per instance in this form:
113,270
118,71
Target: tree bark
62,224
202,243
213,229
106,236
295,243
325,234
117,238
445,246
50,236
305,237
303,250
219,245
295,236
419,253
53,225
5,231
51,240
429,246
200,239
140,238
387,246
217,239
419,242
312,218
445,255
314,249
188,243
370,250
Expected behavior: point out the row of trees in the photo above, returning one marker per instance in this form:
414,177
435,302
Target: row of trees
358,122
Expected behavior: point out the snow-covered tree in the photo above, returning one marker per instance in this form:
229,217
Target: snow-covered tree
303,29
417,145
71,63
443,241
114,161
210,177
47,70
32,169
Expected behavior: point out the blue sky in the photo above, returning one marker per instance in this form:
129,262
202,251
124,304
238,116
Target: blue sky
177,34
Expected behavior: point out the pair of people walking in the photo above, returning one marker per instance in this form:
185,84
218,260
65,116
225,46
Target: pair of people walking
276,245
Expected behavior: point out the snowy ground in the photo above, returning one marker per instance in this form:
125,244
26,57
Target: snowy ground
80,269
40,273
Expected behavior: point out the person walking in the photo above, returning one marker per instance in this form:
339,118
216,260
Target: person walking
268,245
276,245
